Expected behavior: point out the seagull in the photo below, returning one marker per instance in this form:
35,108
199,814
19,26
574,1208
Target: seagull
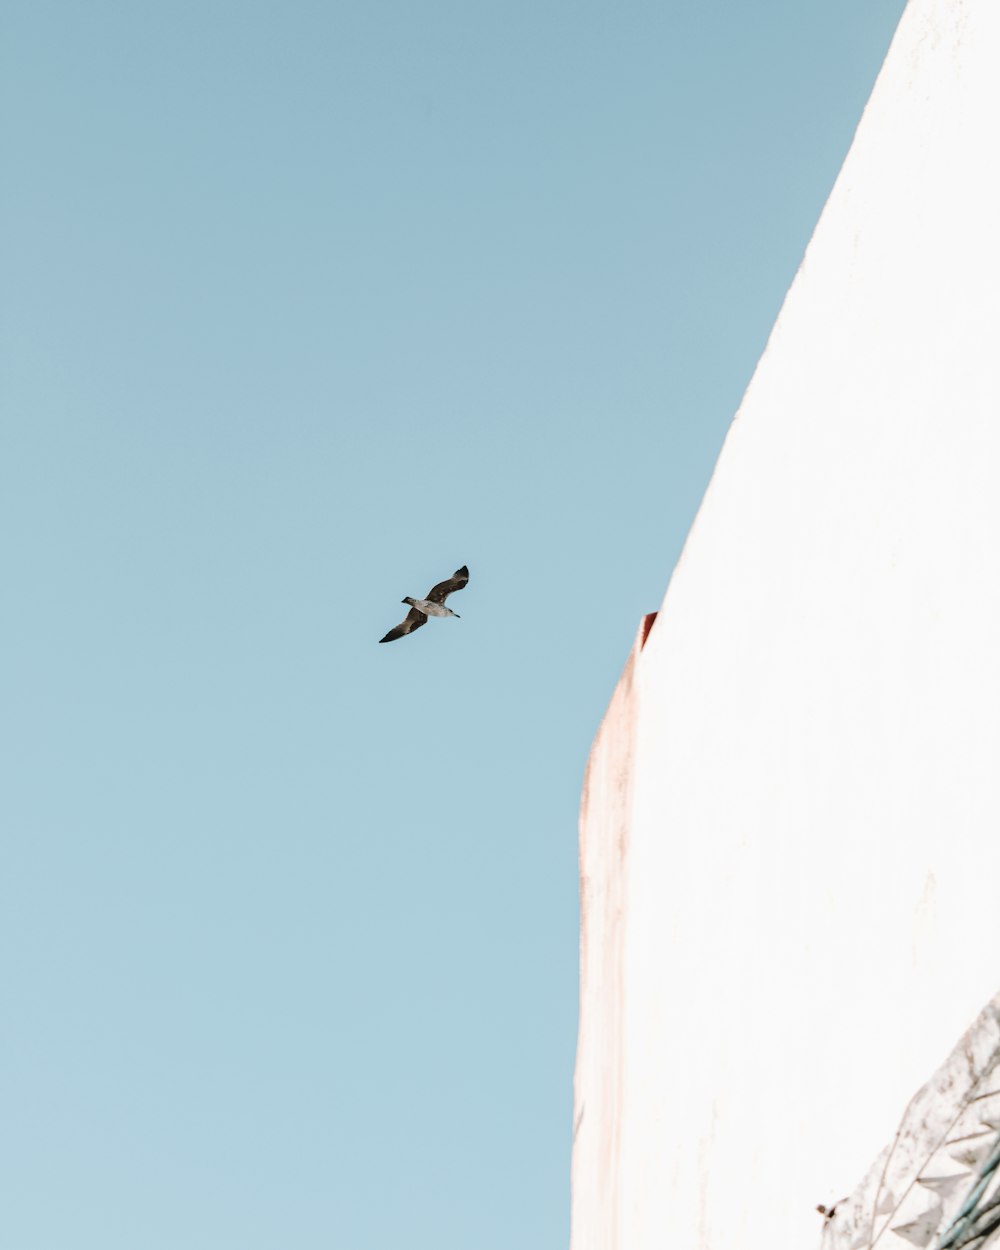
433,605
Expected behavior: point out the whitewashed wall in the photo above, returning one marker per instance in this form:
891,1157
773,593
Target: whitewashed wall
807,894
605,817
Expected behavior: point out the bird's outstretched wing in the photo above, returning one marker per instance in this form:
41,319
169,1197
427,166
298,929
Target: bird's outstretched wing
414,619
440,592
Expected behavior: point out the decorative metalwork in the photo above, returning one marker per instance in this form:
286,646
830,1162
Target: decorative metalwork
936,1186
978,1215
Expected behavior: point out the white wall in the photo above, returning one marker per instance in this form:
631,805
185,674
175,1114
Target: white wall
809,892
605,818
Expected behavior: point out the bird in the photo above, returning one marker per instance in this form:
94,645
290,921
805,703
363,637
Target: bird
433,605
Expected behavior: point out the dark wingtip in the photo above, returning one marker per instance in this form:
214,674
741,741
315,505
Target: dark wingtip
464,570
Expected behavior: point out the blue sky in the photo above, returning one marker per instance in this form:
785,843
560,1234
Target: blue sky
305,305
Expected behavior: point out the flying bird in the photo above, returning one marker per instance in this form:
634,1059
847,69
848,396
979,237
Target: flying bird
433,605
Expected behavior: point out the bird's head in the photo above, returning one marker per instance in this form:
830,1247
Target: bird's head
406,600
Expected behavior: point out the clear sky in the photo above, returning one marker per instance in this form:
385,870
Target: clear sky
304,306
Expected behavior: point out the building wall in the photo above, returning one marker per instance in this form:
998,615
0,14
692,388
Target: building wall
605,818
802,914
